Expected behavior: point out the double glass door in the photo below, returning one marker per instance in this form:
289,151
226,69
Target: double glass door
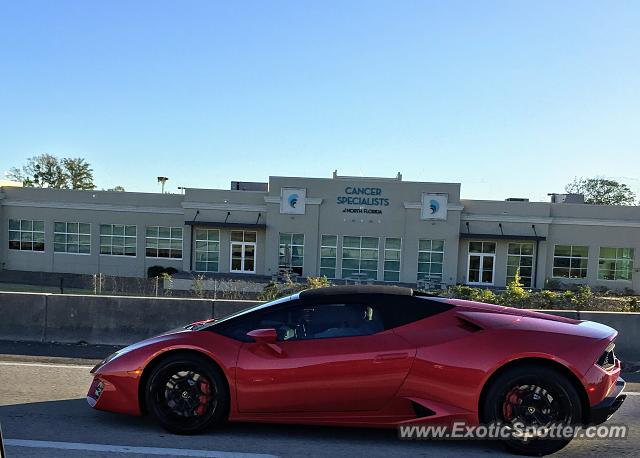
243,252
482,256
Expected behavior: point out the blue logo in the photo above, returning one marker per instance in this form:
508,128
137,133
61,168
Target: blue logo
293,200
434,206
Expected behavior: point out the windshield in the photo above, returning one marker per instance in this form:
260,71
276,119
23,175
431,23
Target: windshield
252,309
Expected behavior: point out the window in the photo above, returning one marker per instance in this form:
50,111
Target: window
360,258
207,249
291,252
164,242
481,262
72,238
615,263
294,320
430,259
328,255
520,257
26,235
309,321
243,251
570,261
392,250
118,240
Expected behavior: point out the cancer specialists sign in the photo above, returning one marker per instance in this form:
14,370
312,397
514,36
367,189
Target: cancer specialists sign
367,199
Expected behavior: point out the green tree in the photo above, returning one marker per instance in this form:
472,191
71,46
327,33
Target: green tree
601,191
79,173
43,171
48,171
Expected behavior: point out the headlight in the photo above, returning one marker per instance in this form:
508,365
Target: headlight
111,357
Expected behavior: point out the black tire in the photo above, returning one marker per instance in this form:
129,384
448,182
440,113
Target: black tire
187,394
566,407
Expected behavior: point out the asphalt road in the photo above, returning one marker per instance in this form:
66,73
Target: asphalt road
43,413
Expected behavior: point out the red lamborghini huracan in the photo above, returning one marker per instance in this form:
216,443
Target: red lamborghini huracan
370,356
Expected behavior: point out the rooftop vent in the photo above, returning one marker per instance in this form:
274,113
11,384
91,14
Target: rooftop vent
398,177
249,186
517,199
566,198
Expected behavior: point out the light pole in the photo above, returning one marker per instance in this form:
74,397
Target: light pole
162,181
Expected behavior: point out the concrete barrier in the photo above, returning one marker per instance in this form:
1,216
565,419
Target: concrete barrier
117,320
114,320
23,316
628,327
121,320
222,308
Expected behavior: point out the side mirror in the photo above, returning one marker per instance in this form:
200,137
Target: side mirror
266,336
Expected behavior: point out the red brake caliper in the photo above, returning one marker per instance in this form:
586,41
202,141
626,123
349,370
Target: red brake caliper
204,398
507,409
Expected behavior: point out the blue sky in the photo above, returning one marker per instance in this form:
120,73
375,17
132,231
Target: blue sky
510,98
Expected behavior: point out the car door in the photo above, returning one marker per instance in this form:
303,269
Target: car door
328,358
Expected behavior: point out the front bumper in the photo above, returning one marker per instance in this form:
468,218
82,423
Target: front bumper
114,394
602,411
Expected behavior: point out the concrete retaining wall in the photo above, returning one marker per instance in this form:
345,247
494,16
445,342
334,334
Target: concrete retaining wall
116,320
121,320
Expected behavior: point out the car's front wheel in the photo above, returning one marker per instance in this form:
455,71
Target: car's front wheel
186,394
532,399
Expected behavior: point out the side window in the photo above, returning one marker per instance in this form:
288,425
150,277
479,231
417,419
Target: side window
301,321
401,311
310,321
342,320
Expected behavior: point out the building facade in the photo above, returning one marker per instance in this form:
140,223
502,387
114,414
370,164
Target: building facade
346,228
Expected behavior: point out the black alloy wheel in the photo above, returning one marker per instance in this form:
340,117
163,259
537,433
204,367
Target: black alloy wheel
187,394
532,396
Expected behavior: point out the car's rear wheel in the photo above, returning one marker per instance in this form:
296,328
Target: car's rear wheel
187,394
532,398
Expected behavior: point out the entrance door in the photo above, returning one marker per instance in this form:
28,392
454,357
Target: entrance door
481,266
243,252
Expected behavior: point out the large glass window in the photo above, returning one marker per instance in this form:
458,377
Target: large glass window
164,242
360,258
328,255
26,235
430,259
570,261
482,256
291,252
520,258
243,251
615,263
207,249
392,251
118,239
72,238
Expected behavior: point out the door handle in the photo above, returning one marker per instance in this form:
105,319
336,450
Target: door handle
390,357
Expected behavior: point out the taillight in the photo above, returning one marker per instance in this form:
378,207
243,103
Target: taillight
608,359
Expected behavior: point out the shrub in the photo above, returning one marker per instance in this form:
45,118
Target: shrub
515,294
472,294
158,271
275,290
632,305
545,299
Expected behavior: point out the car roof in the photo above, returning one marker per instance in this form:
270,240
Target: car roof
355,290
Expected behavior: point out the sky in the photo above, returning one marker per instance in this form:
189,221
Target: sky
509,98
